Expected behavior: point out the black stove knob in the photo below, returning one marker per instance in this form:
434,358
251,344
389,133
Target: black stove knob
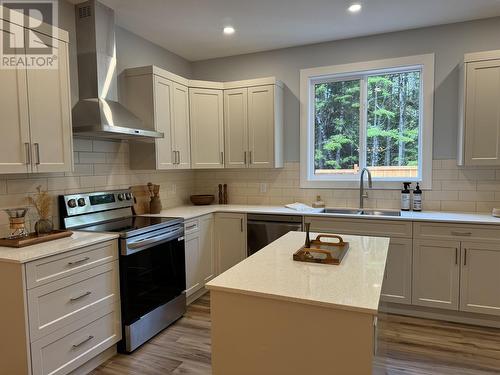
121,197
72,203
81,202
128,196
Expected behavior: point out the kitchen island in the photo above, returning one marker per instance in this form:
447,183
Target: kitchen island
273,315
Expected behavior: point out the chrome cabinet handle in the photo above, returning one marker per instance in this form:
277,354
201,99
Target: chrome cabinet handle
241,225
191,227
174,161
456,255
465,257
83,341
28,153
245,157
222,157
80,296
37,149
249,157
461,233
78,261
178,157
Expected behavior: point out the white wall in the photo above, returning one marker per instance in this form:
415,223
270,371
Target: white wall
448,42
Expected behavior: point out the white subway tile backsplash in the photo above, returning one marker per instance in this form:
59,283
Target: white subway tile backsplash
26,186
63,183
82,144
92,157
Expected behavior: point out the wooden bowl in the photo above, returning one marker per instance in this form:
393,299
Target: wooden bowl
202,200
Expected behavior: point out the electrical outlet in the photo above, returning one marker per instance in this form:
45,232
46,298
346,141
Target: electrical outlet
263,187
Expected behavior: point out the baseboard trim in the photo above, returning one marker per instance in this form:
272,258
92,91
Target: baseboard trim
193,297
438,314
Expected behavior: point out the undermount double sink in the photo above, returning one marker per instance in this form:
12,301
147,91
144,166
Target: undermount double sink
356,211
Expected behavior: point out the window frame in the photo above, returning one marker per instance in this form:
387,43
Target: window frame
359,71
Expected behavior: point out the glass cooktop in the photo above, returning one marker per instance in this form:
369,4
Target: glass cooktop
130,225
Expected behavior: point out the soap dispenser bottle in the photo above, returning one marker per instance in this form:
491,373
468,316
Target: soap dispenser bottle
406,197
417,199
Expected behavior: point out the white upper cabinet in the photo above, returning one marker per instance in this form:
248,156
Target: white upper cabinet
207,128
182,144
254,127
36,116
236,127
479,134
15,141
161,102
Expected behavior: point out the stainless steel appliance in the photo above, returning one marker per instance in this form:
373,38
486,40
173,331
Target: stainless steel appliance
152,260
98,112
262,229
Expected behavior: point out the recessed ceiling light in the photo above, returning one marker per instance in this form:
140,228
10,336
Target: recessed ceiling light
228,30
354,8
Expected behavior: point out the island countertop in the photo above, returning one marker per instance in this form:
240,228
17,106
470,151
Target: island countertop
353,285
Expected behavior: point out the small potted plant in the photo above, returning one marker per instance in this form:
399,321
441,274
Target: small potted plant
43,205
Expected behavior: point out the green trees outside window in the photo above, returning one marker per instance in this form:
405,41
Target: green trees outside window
390,124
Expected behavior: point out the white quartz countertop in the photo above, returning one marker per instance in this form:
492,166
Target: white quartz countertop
190,212
353,285
45,249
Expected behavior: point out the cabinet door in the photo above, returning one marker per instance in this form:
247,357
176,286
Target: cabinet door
181,143
480,278
436,273
50,113
163,115
482,113
207,128
192,248
15,139
207,253
236,128
261,126
230,240
397,277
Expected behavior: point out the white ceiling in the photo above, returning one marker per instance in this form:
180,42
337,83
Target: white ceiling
193,28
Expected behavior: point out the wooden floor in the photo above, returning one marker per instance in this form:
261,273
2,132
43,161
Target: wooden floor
406,346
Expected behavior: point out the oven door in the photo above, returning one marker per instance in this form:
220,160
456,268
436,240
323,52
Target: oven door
153,273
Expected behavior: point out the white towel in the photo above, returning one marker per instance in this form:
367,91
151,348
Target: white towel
300,207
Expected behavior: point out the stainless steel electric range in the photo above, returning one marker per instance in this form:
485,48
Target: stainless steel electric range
152,260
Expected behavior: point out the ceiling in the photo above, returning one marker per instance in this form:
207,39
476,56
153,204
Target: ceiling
193,28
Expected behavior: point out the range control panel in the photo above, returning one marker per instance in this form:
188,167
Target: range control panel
81,203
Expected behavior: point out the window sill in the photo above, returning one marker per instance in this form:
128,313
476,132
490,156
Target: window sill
354,184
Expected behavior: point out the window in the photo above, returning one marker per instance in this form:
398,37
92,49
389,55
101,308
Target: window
376,115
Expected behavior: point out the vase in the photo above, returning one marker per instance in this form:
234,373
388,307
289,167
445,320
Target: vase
43,226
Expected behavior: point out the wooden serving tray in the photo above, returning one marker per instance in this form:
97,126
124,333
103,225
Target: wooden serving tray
322,251
33,238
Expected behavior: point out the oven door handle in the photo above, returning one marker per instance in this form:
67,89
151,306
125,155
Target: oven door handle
155,239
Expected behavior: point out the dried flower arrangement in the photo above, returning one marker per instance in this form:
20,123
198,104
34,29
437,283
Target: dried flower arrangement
42,203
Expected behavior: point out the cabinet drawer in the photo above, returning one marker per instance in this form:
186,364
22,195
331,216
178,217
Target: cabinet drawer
62,302
457,232
191,226
364,227
67,349
56,267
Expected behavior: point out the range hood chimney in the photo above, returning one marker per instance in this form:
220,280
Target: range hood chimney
98,112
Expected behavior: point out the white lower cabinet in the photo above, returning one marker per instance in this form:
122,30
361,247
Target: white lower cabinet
200,255
230,239
436,273
398,269
62,311
480,278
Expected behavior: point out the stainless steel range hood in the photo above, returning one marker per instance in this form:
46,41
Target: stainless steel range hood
98,112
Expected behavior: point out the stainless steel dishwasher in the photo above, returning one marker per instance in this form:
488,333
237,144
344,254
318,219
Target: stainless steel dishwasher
262,229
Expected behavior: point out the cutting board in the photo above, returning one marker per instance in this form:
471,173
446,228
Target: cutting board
142,198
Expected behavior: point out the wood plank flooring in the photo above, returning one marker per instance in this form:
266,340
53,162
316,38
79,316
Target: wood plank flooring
406,346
